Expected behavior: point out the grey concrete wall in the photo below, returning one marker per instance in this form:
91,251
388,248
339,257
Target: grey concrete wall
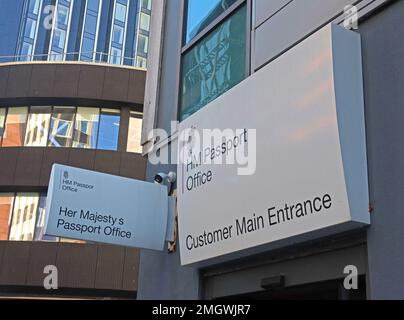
383,61
280,24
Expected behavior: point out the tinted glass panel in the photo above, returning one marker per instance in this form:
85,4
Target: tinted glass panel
214,65
120,12
6,207
86,128
2,122
14,132
134,133
109,130
40,223
61,128
38,127
24,215
201,13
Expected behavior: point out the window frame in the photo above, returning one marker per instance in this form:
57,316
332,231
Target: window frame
185,47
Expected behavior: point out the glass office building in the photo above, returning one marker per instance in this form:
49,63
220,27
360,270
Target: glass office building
72,78
105,31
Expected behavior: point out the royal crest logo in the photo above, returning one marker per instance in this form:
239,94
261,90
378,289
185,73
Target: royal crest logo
66,174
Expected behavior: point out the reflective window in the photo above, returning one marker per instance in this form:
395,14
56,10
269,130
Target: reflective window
22,217
109,129
62,15
59,38
14,132
144,21
143,44
30,28
24,214
81,127
116,56
86,128
37,127
117,34
6,206
41,220
201,13
120,12
134,133
61,128
2,122
89,36
33,6
147,4
59,35
117,40
214,65
141,62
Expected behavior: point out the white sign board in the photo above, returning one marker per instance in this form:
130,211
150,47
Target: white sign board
307,110
98,207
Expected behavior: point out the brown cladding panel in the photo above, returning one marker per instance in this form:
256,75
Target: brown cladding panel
42,254
13,270
8,163
51,156
116,84
81,158
131,269
2,248
91,82
110,265
136,89
42,80
3,81
107,162
76,265
133,166
19,81
28,168
66,80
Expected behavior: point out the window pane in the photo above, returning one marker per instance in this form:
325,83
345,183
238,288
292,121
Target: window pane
30,28
59,39
141,62
26,52
117,34
91,24
109,129
38,127
34,6
40,224
134,133
146,4
2,120
144,21
24,215
201,13
93,5
6,206
16,121
120,12
143,44
86,128
214,65
116,56
61,128
62,15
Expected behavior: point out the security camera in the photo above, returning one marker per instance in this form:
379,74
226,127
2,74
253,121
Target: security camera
166,179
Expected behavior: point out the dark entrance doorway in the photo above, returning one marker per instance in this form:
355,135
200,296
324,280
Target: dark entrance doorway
328,290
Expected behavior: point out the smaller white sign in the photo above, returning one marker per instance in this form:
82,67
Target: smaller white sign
99,207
